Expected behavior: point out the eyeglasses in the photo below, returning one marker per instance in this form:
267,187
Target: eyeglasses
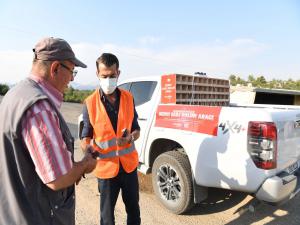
74,72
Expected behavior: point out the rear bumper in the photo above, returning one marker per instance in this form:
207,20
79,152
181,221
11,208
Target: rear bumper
279,188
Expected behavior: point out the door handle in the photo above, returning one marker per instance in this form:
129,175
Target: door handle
142,119
297,124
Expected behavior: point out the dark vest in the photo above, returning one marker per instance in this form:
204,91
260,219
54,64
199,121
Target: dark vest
24,198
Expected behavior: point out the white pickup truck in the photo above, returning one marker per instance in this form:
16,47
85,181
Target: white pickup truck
189,148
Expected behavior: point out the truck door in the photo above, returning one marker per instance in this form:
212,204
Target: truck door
142,92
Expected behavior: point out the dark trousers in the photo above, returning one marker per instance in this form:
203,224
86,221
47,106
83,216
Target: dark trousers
109,190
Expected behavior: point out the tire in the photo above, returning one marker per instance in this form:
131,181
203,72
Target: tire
172,181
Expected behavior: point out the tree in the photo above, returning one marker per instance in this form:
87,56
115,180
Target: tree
74,95
251,79
261,81
240,81
232,79
290,84
273,84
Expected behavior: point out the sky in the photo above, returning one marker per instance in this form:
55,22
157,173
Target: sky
220,38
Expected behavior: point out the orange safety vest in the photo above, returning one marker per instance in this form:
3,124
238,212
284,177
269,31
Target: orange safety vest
104,136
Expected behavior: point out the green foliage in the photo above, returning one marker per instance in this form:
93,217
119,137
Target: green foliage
261,81
74,95
251,78
235,80
3,89
70,95
232,79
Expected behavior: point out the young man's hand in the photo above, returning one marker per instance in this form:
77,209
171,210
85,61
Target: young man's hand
124,140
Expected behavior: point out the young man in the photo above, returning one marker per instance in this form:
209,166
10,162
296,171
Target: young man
37,168
110,128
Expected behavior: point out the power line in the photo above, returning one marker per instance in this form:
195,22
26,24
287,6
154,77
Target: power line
159,61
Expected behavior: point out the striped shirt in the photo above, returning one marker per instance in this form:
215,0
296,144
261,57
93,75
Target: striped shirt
43,138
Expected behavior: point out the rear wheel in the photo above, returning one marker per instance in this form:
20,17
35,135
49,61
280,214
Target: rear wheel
172,181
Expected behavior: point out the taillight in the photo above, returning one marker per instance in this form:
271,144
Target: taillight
262,144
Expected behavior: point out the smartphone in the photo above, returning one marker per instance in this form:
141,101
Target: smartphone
94,153
124,132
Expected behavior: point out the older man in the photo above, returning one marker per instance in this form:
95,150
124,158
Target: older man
37,170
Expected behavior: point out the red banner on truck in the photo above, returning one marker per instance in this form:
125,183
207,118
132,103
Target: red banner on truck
201,119
168,89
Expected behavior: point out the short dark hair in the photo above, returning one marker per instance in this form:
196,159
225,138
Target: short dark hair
108,60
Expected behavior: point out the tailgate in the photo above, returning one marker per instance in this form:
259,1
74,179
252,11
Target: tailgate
288,137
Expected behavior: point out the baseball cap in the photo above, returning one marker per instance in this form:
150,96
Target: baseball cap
51,49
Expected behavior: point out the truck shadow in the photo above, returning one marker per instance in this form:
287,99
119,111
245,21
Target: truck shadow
218,200
271,215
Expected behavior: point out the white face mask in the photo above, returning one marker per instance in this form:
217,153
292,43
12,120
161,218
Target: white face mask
108,85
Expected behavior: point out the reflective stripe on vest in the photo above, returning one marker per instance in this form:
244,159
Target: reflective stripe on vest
106,144
114,153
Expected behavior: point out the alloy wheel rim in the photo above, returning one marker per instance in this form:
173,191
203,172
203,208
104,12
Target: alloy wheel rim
168,183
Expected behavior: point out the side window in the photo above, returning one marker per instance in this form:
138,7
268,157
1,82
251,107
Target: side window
142,91
125,86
